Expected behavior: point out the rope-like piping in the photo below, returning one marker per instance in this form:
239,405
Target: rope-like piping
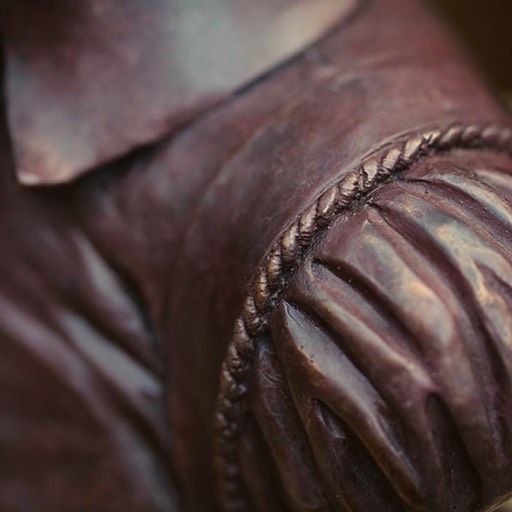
288,251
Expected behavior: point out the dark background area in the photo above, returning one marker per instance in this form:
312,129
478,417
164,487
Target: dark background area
486,28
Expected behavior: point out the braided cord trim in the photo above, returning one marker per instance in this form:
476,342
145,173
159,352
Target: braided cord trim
287,252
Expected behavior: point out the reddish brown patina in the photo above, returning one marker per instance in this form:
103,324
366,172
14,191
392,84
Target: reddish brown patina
268,265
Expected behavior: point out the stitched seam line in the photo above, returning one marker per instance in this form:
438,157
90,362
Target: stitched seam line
288,251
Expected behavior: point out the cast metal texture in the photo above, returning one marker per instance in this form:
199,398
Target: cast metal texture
287,253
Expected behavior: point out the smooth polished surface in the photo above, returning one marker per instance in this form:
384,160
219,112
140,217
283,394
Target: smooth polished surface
67,61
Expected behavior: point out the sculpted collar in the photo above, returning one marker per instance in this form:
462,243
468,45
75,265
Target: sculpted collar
87,82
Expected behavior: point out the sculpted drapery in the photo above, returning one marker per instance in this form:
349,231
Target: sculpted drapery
253,258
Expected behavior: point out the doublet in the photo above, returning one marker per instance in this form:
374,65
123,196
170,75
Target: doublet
293,297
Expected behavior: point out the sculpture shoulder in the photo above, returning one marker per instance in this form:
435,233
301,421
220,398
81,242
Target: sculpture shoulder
371,337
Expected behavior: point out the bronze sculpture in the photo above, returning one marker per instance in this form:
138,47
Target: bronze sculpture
283,292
